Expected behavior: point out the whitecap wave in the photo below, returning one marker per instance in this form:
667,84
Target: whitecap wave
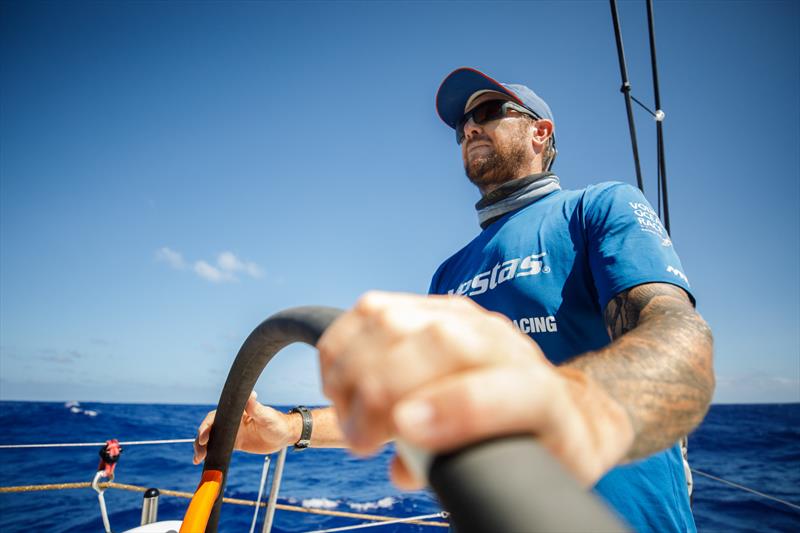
72,403
320,503
75,410
383,503
89,412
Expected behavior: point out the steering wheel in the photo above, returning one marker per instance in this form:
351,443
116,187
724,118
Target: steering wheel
504,484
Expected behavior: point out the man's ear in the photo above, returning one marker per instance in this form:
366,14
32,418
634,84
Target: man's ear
543,130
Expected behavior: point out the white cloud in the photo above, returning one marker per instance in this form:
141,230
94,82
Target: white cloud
226,269
228,262
211,273
171,257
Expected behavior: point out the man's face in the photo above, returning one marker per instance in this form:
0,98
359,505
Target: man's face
498,151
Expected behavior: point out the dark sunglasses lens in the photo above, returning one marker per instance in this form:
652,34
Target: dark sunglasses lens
487,111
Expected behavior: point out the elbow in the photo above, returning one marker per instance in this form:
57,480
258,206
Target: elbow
703,364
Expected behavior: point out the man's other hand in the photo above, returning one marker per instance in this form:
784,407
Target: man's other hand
262,430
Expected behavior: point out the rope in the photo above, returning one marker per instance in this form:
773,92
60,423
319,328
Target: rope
179,494
747,489
75,444
234,501
376,524
51,486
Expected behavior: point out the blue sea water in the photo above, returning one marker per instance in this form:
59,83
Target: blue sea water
755,445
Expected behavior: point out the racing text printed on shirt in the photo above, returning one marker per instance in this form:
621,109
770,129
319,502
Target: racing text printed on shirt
529,265
537,324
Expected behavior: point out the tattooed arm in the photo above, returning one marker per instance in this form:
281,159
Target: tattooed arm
658,367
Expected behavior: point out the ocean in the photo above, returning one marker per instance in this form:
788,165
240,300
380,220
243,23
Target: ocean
754,445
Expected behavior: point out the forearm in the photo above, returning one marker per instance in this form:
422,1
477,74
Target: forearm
658,368
325,432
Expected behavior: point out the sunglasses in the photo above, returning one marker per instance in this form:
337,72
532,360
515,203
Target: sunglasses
488,111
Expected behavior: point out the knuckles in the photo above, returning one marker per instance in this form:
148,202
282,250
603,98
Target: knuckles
498,320
373,396
441,333
386,320
466,303
369,303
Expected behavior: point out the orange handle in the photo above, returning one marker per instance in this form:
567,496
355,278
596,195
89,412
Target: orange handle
202,502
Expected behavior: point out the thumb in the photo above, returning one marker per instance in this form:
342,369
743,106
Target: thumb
252,406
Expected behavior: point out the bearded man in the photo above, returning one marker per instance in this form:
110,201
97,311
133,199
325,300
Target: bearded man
568,317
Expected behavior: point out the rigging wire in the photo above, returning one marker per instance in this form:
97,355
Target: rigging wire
77,444
655,116
626,90
658,114
746,489
662,172
388,522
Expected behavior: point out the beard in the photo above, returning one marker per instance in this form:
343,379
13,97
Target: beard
503,164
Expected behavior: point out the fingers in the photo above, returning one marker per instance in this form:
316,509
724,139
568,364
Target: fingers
199,453
402,476
460,361
370,376
442,373
366,425
205,428
201,440
261,430
345,352
390,345
471,406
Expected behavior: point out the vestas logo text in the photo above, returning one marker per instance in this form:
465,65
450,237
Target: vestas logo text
530,265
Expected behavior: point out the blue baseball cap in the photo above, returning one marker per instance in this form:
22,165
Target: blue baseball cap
460,85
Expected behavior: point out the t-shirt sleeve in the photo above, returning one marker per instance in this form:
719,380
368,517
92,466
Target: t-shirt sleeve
434,286
627,244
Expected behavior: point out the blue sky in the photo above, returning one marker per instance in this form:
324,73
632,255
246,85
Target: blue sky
173,173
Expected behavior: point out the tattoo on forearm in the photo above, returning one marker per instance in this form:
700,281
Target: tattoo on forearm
620,318
624,311
659,365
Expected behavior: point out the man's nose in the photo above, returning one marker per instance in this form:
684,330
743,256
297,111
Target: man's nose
471,128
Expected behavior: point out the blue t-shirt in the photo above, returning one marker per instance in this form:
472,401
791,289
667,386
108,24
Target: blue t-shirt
552,267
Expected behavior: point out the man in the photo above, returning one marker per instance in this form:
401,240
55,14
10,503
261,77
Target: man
621,366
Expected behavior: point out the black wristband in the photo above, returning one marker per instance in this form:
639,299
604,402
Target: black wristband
305,435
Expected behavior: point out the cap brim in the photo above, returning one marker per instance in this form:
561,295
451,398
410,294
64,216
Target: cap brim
458,86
